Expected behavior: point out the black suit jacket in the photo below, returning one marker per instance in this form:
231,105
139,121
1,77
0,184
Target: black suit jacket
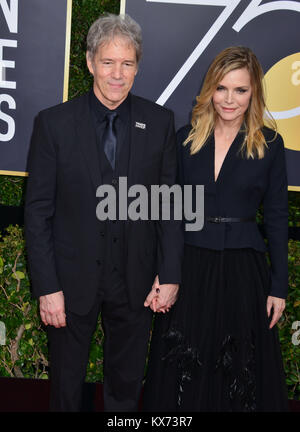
241,187
64,237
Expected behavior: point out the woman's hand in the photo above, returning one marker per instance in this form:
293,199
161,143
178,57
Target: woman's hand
278,305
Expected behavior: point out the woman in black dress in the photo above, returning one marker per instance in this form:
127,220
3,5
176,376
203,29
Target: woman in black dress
218,348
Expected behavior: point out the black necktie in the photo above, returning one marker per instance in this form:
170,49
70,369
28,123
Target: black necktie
110,139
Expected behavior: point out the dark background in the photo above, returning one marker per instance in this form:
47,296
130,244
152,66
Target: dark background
39,72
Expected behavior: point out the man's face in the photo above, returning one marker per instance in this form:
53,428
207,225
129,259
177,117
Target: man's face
114,67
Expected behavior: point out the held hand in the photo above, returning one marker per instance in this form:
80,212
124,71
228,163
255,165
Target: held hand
156,308
150,300
278,305
152,297
52,309
167,297
161,297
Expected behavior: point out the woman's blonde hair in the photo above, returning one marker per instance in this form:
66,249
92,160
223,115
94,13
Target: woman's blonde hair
204,114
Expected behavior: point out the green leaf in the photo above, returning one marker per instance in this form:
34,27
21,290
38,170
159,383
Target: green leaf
1,265
18,274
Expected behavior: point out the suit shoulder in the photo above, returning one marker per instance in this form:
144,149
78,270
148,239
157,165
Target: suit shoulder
64,108
183,132
181,136
273,139
151,106
271,135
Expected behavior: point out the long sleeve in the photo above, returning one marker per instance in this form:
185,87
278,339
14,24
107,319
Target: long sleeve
39,210
170,232
276,221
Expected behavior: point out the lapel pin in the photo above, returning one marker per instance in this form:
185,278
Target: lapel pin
140,125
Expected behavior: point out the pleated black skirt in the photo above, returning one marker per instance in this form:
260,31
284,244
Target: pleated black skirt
214,350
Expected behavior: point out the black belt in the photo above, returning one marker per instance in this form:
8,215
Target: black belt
220,219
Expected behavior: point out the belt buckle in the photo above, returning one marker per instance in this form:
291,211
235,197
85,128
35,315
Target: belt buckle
217,219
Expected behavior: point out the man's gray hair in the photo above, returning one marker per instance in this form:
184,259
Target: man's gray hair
105,28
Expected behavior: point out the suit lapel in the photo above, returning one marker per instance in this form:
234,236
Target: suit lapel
138,140
87,140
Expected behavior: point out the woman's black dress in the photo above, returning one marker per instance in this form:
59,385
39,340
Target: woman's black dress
214,351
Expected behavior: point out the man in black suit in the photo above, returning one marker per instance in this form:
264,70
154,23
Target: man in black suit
81,266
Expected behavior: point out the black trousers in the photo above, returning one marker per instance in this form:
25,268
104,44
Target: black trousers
126,336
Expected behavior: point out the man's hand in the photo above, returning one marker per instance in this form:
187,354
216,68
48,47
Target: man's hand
161,297
278,305
52,309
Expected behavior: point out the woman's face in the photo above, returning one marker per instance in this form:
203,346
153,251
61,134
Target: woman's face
232,96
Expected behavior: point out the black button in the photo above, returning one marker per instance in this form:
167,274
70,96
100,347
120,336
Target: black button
98,262
114,181
102,234
115,239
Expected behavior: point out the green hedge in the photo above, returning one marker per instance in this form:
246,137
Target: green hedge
25,350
